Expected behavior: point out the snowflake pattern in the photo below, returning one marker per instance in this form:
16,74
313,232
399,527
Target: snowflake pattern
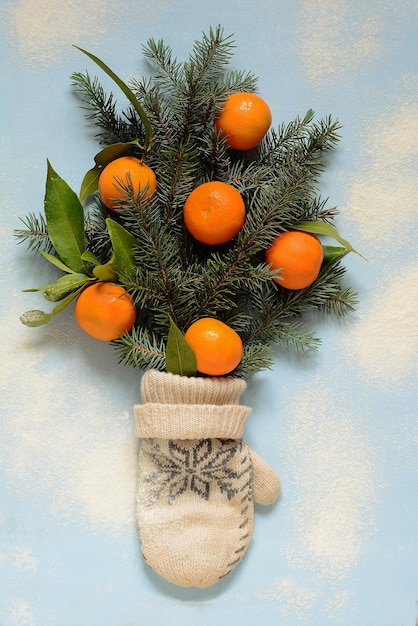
197,467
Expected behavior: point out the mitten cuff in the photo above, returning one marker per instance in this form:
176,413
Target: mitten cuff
166,388
178,407
190,421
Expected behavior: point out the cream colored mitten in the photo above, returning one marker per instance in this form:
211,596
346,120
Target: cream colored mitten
197,479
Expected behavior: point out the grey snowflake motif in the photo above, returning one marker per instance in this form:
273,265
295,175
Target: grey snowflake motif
196,468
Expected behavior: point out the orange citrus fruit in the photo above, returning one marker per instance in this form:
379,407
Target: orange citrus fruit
121,172
105,311
299,255
214,212
217,347
244,120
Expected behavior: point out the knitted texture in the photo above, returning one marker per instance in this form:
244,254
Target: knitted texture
197,479
177,407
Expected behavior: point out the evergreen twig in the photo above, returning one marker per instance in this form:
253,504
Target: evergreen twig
34,233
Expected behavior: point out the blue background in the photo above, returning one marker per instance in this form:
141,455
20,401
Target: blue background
340,545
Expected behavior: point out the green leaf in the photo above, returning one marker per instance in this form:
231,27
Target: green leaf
65,221
114,151
107,271
334,252
128,93
91,179
123,246
179,358
318,227
33,289
57,262
39,318
91,258
90,182
64,286
35,318
308,116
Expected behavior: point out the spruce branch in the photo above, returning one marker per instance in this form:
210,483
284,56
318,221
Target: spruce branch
178,168
256,357
194,88
34,233
141,348
214,156
101,109
297,338
169,75
162,116
156,256
336,299
210,56
301,142
97,236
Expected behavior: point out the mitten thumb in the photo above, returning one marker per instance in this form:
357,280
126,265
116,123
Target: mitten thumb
266,483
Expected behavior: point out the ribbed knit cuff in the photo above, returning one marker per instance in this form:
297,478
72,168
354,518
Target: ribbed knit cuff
179,407
166,388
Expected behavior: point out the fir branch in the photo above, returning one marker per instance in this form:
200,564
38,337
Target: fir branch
177,171
97,236
226,277
274,207
335,299
162,116
281,142
134,128
209,57
235,81
214,156
141,348
325,294
101,109
256,357
301,142
296,337
275,310
315,209
156,256
195,88
34,233
169,76
342,302
323,137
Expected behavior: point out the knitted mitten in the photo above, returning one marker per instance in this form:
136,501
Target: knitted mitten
197,479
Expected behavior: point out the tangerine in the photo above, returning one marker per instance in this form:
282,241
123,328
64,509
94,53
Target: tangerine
299,255
244,120
121,172
214,212
105,311
217,347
